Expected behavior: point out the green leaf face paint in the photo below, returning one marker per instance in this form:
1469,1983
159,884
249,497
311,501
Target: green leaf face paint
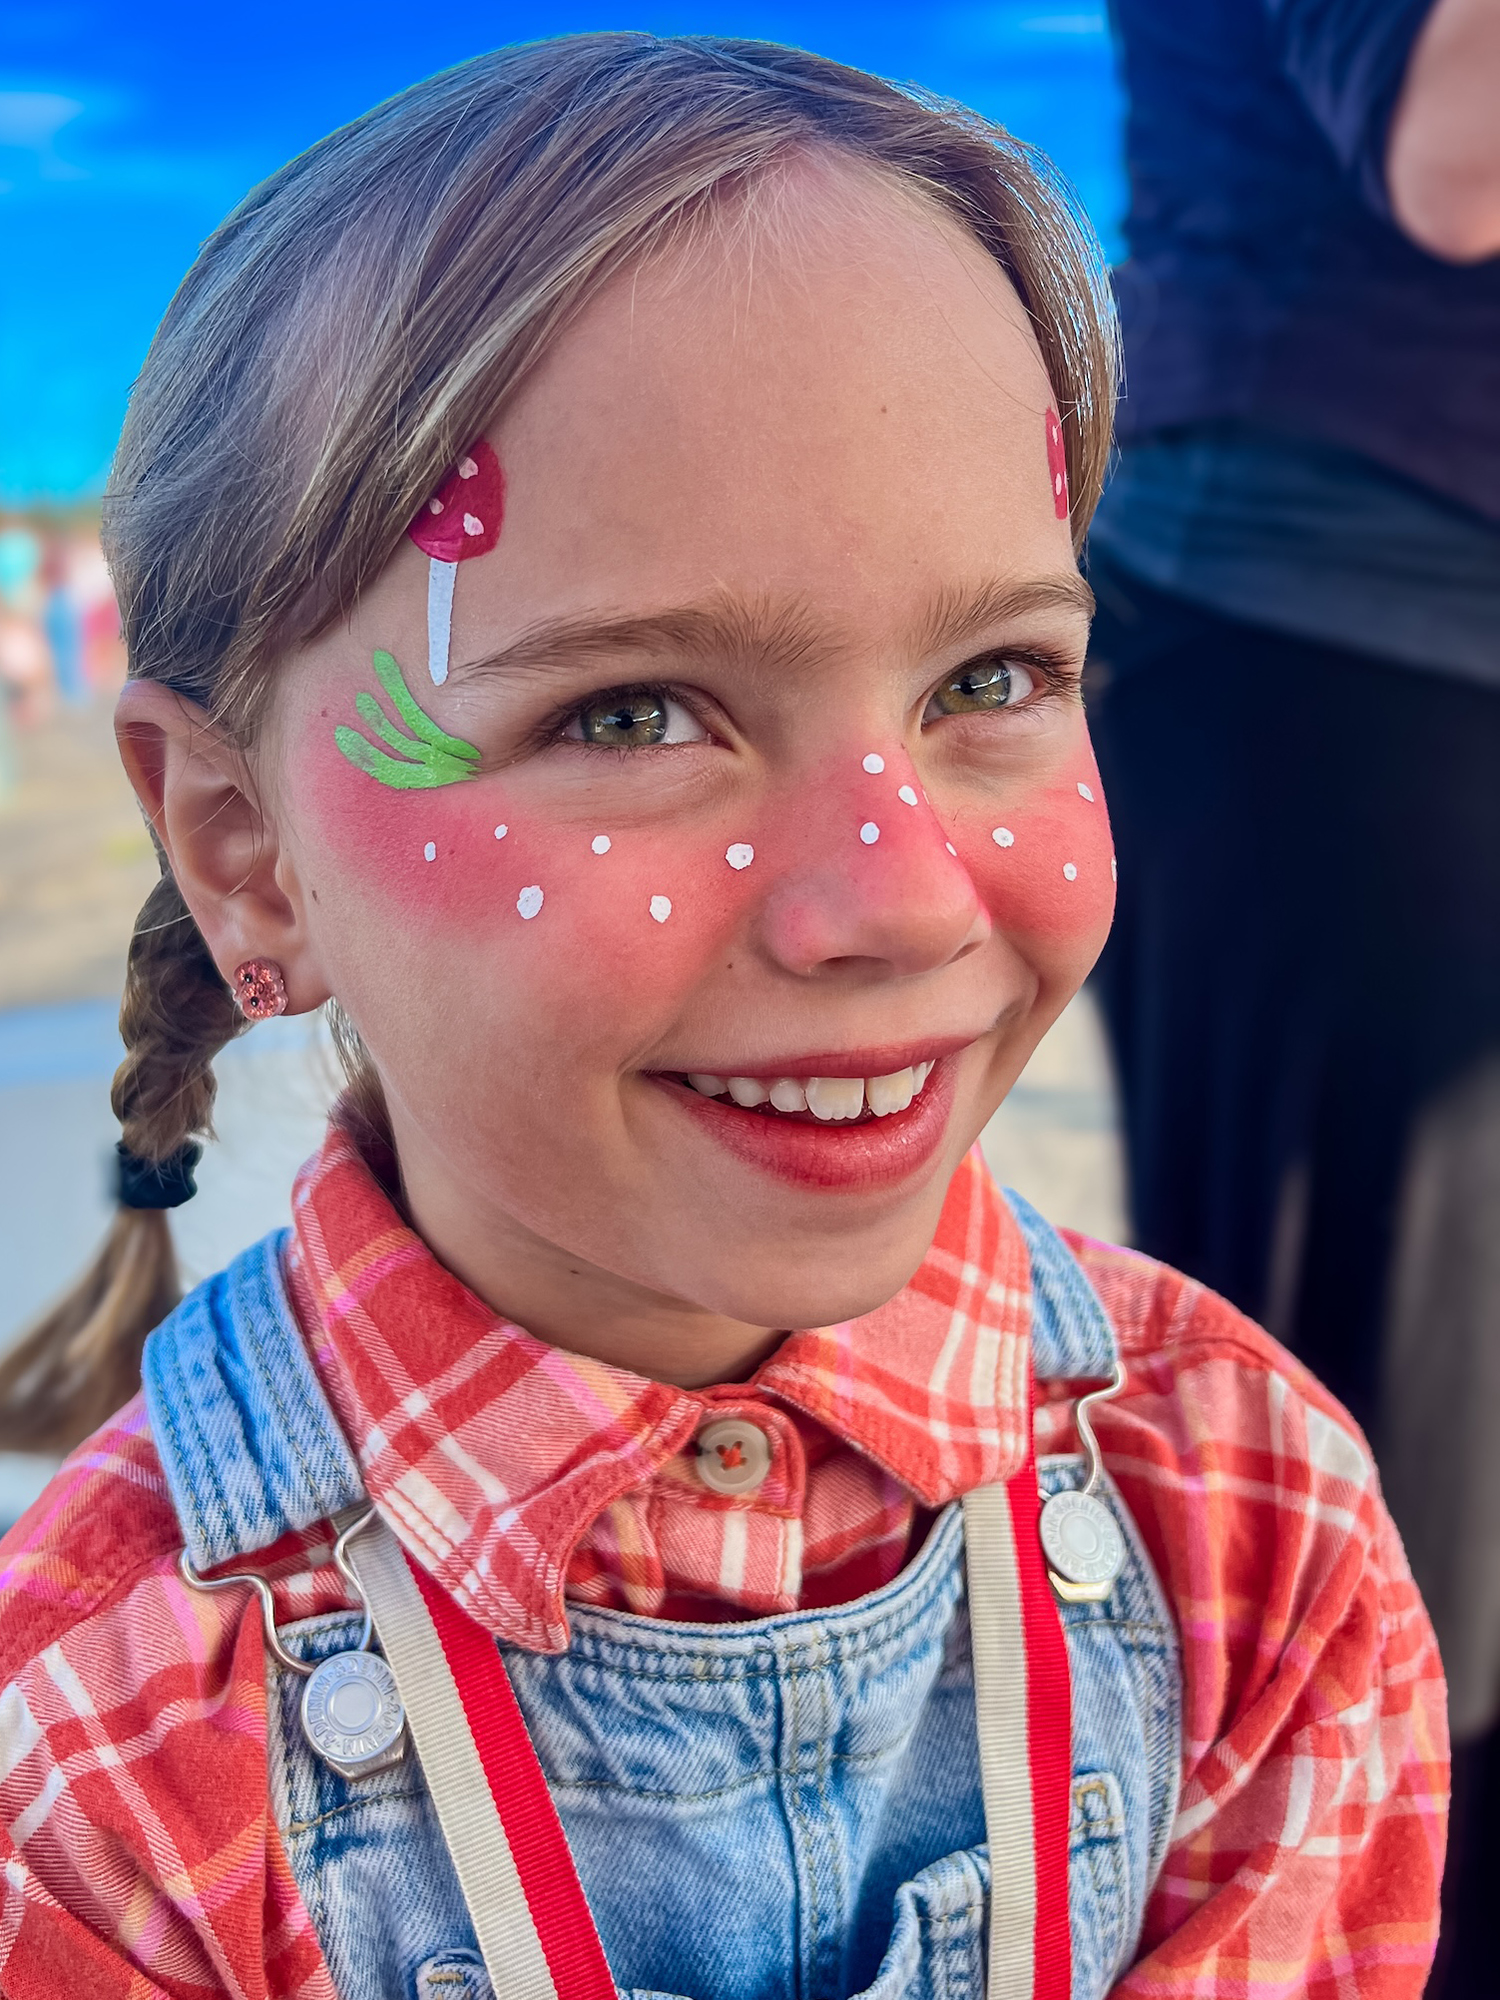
424,755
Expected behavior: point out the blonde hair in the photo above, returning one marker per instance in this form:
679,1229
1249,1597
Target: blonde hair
351,327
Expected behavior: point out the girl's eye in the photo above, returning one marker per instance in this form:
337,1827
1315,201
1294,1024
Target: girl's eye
985,685
634,719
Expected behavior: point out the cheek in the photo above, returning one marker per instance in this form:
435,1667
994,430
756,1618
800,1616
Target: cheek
565,911
1044,865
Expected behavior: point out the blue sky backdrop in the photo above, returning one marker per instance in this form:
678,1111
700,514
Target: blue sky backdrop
127,133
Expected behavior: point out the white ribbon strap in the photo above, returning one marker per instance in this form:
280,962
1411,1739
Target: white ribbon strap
998,1632
486,1869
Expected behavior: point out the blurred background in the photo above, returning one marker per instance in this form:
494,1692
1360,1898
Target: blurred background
125,136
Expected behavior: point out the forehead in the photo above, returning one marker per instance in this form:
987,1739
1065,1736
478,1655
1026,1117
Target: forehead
832,392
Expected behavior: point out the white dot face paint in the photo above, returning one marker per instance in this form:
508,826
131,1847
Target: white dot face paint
600,843
1070,872
907,796
1114,869
467,469
501,831
951,848
1084,792
529,902
740,855
869,833
1003,837
661,908
473,525
429,852
874,763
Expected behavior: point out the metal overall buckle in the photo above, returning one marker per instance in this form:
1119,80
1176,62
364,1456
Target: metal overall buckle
351,1713
1081,1538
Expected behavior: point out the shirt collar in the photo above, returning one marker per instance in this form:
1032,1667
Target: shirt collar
492,1452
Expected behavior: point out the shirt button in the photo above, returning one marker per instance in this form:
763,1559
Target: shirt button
733,1456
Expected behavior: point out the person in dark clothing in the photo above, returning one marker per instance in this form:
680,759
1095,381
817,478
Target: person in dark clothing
1296,707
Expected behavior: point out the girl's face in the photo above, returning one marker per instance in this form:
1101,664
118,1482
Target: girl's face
783,786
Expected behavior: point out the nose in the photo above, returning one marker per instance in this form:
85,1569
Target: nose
870,887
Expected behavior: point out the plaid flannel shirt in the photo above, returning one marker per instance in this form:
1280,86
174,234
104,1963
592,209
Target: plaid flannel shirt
141,1856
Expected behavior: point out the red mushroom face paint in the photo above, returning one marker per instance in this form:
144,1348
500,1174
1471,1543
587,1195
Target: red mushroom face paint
461,520
700,915
1057,465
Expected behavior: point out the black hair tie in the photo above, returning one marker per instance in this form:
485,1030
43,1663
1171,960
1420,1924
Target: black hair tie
156,1183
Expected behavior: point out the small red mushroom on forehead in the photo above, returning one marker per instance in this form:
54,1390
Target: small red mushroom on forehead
1057,465
462,519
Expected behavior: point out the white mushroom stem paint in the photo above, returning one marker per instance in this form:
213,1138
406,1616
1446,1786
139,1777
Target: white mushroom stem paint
661,908
429,852
529,901
440,580
740,855
600,843
1003,837
869,833
874,763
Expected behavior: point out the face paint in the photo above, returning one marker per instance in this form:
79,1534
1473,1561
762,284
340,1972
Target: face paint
462,519
1057,466
426,756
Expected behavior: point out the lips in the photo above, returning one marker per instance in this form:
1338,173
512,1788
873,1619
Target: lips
837,1146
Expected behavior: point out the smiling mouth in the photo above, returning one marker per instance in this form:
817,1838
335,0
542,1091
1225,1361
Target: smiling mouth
822,1100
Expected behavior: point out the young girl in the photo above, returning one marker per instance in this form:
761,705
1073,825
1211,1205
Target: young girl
597,541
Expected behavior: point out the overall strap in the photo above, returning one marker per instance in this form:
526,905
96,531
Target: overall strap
247,1441
1071,1337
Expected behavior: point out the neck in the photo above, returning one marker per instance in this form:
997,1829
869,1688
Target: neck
563,1299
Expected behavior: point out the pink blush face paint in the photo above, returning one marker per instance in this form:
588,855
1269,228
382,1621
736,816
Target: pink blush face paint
1044,863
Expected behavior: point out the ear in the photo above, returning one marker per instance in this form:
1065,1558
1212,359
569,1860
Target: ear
199,794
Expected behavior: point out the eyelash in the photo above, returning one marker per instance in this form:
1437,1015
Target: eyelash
1055,673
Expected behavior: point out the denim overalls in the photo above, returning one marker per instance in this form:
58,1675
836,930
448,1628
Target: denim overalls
783,1808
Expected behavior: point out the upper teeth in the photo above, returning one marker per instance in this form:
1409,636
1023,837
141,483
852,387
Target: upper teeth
829,1098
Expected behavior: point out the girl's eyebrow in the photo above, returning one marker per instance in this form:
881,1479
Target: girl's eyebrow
760,633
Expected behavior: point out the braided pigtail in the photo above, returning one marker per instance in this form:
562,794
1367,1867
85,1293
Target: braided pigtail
81,1360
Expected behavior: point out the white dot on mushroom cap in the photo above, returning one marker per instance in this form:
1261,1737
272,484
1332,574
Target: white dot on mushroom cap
1070,872
501,831
907,796
529,901
467,468
473,525
600,843
869,833
1084,792
874,763
661,908
1114,869
429,852
950,847
740,855
434,506
1003,837
1057,483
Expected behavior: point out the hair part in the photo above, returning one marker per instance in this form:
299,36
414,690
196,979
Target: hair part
356,322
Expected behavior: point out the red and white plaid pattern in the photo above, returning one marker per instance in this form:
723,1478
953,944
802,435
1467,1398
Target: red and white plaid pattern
519,1474
140,1855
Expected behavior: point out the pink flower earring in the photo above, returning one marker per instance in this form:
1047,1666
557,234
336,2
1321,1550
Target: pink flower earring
259,989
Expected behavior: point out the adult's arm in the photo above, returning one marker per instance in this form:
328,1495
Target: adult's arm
1443,153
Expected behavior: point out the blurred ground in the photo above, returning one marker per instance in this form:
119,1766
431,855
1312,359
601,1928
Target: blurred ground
75,864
